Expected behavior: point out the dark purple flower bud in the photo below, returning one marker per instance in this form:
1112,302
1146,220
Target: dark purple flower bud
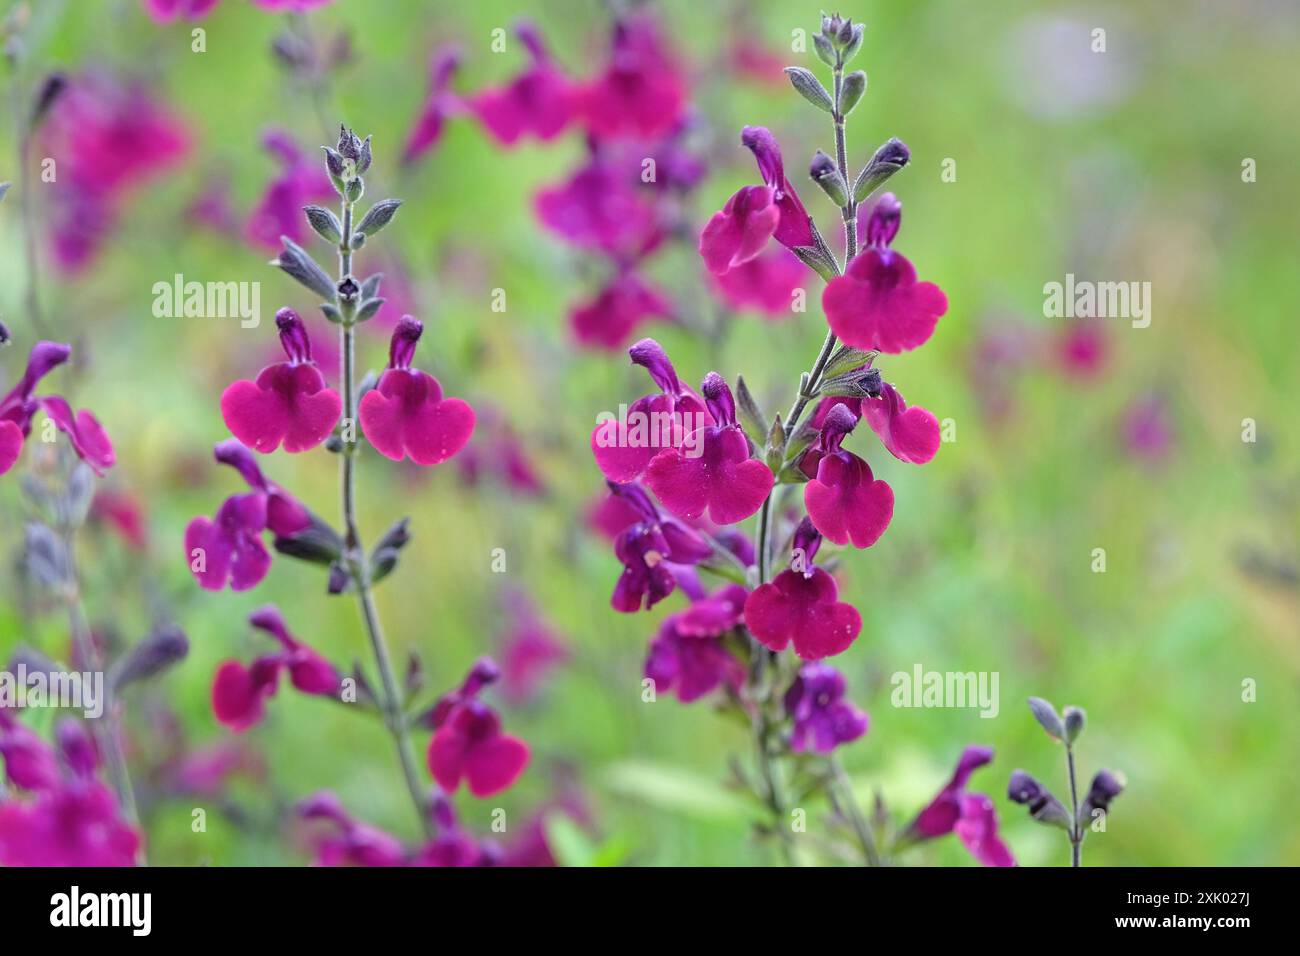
349,145
333,162
77,747
717,395
886,216
889,159
1043,806
651,356
293,336
5,336
401,350
163,647
364,156
840,421
807,540
825,174
234,453
338,579
1105,788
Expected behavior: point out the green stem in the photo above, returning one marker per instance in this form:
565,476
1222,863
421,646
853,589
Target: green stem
392,705
1076,832
104,729
808,384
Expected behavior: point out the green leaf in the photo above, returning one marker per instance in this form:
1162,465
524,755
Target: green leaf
676,790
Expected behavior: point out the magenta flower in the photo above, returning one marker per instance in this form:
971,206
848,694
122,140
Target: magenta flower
713,471
740,232
877,303
795,227
640,92
405,415
17,408
942,813
165,11
977,828
765,284
909,434
499,454
68,818
624,446
229,548
845,501
452,846
538,102
109,138
691,665
239,693
647,549
352,843
601,208
439,103
468,743
1146,429
715,614
301,181
617,311
801,605
30,764
822,718
529,652
288,403
290,6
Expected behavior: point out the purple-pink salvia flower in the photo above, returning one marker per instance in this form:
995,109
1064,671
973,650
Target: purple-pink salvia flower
822,718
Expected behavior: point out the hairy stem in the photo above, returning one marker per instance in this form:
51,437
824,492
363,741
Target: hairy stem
355,554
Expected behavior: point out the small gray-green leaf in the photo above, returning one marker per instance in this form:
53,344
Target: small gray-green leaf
378,216
847,359
810,88
324,222
368,309
751,416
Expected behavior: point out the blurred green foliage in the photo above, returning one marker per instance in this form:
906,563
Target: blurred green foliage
987,564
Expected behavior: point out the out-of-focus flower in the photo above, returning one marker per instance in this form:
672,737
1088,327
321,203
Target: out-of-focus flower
538,102
352,843
942,814
765,284
602,209
300,181
530,650
109,137
1082,349
239,693
85,434
468,743
406,415
68,817
499,454
290,6
877,303
439,104
822,718
165,11
124,513
288,403
1147,430
640,91
617,312
977,828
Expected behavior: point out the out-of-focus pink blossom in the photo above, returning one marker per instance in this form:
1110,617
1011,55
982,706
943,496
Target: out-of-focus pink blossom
300,181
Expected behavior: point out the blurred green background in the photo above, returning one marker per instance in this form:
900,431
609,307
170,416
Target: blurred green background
1122,165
